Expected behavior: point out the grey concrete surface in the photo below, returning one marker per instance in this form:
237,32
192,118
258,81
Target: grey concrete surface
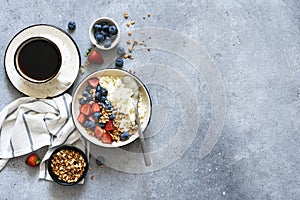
255,45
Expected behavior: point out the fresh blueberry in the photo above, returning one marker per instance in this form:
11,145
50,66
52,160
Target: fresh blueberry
97,115
102,125
112,30
98,88
124,136
86,123
97,96
99,37
85,93
103,92
103,99
119,62
120,51
82,101
105,34
108,106
88,88
103,24
112,116
89,97
105,28
97,27
107,43
91,125
72,25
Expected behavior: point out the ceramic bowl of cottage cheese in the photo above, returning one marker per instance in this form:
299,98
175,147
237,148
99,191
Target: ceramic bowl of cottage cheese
103,108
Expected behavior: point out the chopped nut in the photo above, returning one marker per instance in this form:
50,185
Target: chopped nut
128,41
128,24
130,56
132,22
130,48
143,32
81,70
129,33
148,14
135,41
126,15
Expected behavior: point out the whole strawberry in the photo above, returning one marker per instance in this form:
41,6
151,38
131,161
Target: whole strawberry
33,160
95,57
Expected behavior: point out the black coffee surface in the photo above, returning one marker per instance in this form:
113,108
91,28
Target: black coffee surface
39,59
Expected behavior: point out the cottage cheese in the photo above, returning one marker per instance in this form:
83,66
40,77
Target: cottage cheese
121,99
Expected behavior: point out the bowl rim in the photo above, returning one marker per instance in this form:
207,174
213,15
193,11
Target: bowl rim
55,177
92,37
103,71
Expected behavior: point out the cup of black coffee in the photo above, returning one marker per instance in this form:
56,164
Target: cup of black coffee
38,60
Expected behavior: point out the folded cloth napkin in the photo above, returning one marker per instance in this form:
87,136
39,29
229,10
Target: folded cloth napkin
27,124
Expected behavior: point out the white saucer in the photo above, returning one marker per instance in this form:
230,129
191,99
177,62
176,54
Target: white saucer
69,67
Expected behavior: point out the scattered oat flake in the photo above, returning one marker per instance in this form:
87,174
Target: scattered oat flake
143,32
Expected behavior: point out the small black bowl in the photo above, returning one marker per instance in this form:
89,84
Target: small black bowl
55,177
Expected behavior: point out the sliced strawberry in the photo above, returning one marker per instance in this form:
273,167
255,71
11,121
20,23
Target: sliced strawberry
95,107
94,56
81,118
99,132
106,138
109,126
85,109
93,82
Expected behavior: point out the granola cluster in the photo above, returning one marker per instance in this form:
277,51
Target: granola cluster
68,165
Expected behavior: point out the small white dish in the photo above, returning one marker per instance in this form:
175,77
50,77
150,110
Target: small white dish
114,41
70,61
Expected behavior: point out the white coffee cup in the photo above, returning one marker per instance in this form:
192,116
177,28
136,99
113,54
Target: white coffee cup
38,60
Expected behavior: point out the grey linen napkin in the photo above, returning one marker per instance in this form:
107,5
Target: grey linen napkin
28,124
